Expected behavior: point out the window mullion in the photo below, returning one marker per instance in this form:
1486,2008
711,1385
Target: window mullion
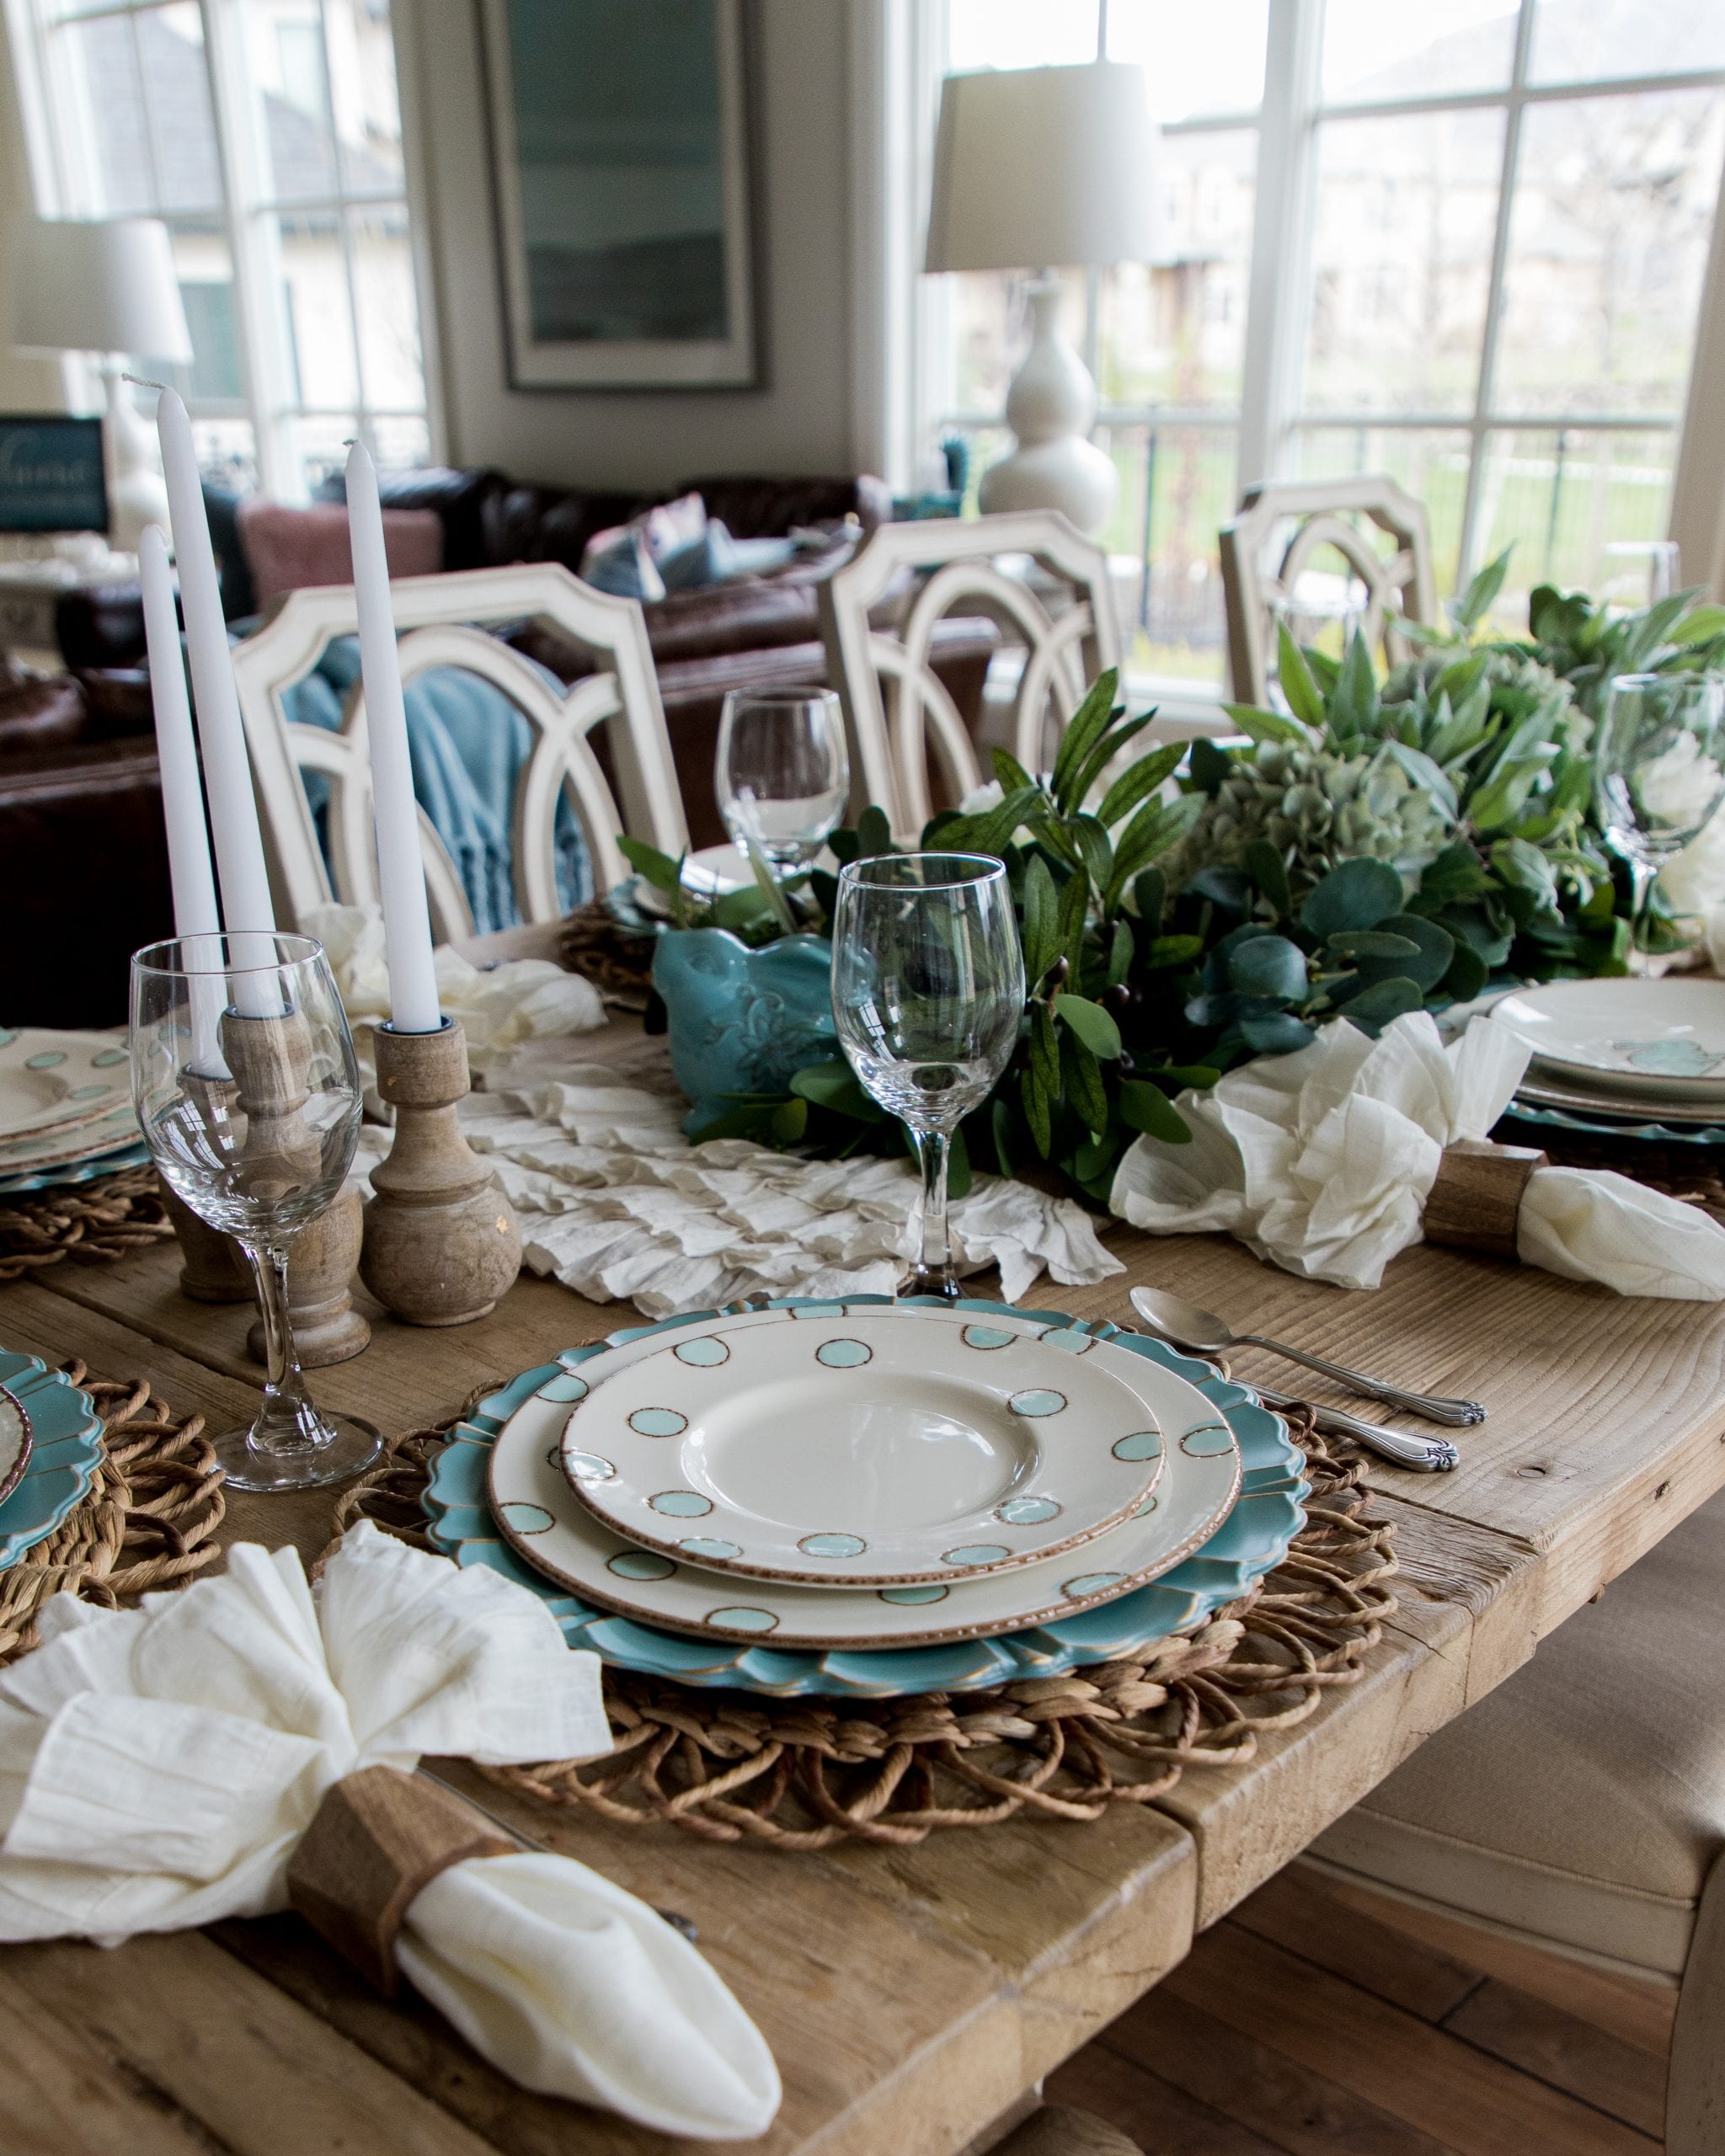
254,238
1473,499
1281,237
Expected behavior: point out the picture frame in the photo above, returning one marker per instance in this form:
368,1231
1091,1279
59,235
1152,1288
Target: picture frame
622,189
53,477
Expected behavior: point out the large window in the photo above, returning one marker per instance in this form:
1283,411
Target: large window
267,134
1459,241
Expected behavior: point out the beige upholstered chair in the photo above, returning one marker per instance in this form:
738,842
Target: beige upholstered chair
1031,572
1581,1807
1274,553
437,617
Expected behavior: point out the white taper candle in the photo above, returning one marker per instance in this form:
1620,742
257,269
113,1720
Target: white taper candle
189,868
227,773
413,1007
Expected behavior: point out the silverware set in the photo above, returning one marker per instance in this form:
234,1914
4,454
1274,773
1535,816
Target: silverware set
1201,1331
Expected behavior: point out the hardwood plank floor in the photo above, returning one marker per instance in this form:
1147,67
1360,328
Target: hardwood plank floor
1319,2020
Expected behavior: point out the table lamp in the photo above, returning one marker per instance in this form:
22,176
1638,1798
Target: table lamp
110,289
1041,168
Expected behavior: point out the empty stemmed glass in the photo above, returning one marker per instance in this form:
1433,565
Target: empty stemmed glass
1658,772
782,773
927,992
243,1078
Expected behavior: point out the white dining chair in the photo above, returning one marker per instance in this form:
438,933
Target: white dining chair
1044,584
1580,1808
440,619
1273,556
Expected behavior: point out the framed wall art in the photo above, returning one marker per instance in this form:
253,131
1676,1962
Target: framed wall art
620,162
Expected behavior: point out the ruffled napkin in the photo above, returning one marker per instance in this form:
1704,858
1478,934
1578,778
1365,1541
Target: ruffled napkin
158,1766
1321,1161
615,1203
499,1006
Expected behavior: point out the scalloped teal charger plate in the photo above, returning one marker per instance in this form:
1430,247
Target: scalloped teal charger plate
66,1450
1254,1538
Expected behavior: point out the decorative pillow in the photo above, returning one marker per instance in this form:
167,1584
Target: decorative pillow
620,560
287,548
716,557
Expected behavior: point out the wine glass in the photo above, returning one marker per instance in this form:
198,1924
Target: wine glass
927,992
782,773
1659,774
243,1078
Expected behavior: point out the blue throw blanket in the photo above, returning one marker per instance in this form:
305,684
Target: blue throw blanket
469,743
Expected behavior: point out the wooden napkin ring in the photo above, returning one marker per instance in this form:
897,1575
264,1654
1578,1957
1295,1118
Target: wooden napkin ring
1473,1204
377,1838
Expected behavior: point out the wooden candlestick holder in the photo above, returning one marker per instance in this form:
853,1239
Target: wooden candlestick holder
441,1241
322,1259
1476,1201
213,1267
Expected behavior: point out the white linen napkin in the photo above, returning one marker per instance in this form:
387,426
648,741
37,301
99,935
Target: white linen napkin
1321,1160
499,1006
615,1203
158,1766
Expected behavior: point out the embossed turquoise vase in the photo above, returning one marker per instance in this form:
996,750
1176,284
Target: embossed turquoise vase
742,1021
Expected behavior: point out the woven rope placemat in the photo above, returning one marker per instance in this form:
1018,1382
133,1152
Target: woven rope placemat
805,1773
148,1520
93,1222
1691,1172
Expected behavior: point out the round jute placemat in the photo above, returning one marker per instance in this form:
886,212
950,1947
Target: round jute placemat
804,1774
147,1520
1690,1172
93,1223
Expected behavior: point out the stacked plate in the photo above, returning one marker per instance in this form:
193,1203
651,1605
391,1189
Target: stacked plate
870,1497
1624,1058
66,1113
51,1446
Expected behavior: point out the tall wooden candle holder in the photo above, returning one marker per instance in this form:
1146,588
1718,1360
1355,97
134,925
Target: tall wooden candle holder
441,1241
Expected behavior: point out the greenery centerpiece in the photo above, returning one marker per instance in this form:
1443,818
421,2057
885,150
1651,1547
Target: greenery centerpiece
1382,847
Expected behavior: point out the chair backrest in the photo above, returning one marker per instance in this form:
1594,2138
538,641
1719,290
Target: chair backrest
1272,552
438,619
1059,605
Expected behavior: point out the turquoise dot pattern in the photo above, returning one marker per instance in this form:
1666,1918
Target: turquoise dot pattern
680,1504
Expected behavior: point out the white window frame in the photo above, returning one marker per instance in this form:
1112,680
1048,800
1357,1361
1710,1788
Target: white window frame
249,215
904,61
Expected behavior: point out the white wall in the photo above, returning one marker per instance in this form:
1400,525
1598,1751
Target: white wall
26,385
798,421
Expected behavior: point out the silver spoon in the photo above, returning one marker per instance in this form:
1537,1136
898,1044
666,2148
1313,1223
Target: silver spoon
1189,1327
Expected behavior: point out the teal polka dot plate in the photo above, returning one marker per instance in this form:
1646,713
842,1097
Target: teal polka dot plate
846,1447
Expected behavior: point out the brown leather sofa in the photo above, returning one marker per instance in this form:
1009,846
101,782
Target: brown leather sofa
82,861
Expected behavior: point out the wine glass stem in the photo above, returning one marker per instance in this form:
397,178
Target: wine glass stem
934,1271
1643,876
287,1422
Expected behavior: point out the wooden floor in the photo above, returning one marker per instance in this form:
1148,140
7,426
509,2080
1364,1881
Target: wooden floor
1319,2021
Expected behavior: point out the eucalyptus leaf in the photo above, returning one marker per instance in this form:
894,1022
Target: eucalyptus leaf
660,871
1369,943
1354,894
1375,1006
1278,1032
1209,766
1269,965
1165,951
874,833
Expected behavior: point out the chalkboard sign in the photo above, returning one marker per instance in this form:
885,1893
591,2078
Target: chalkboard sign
50,474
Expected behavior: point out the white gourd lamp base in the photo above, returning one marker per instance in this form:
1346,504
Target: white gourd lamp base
1050,408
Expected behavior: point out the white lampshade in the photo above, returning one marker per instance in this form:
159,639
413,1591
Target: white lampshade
1036,168
97,288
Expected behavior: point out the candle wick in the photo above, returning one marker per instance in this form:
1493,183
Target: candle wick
143,382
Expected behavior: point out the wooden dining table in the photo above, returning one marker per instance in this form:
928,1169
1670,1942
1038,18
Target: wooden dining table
913,1996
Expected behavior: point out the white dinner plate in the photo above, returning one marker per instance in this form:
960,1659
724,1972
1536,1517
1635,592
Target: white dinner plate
547,1524
1662,1039
83,1141
15,1443
891,1448
52,1081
